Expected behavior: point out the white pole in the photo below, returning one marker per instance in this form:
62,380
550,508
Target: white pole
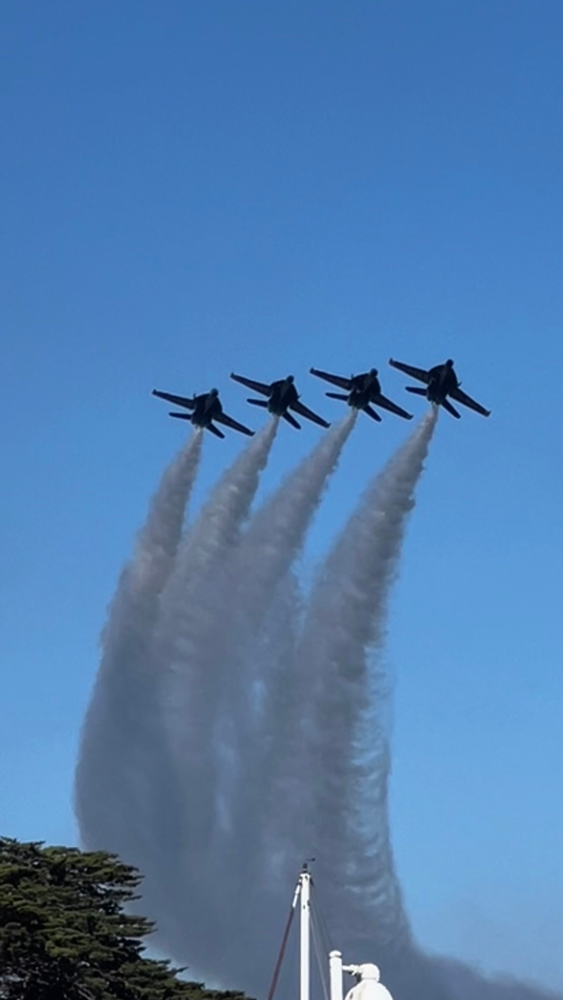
335,965
305,901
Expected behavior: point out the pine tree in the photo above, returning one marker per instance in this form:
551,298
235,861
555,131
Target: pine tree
64,934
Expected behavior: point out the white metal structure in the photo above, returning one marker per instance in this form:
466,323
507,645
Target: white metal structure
367,987
304,888
335,967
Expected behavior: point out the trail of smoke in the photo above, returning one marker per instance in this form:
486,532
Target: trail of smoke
121,769
260,632
277,531
274,801
258,847
121,789
191,644
250,864
242,908
159,799
361,578
324,770
262,562
246,723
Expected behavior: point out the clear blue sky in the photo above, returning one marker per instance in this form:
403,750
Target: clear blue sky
191,187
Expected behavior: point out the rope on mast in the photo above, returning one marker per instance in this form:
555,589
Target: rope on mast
318,911
316,935
283,946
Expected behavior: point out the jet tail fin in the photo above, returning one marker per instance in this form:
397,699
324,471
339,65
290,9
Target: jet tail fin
372,413
215,430
451,409
258,402
337,395
418,391
181,416
291,420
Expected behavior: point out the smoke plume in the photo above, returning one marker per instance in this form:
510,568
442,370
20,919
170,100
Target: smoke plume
120,762
238,726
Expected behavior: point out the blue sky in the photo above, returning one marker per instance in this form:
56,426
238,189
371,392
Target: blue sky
190,188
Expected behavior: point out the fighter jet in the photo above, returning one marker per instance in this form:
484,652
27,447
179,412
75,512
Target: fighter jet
441,381
361,391
282,396
206,408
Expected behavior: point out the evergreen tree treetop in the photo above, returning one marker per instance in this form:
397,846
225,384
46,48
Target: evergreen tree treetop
64,934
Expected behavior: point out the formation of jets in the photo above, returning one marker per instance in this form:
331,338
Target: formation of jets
362,392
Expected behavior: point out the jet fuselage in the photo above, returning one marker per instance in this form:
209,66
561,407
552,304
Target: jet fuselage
443,381
283,395
364,389
207,407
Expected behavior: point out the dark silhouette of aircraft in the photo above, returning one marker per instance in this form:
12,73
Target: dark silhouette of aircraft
361,391
206,408
441,382
282,396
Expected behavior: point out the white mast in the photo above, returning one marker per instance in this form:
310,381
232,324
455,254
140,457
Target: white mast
304,886
368,985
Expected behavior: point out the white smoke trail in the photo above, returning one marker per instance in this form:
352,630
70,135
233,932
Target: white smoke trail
278,812
246,867
116,776
276,533
218,622
297,741
212,700
192,643
339,749
259,575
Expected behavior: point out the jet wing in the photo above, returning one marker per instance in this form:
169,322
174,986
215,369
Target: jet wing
177,400
420,373
223,418
387,404
462,397
339,380
251,384
305,412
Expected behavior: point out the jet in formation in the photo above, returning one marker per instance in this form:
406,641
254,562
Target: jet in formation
441,382
205,408
282,396
362,392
